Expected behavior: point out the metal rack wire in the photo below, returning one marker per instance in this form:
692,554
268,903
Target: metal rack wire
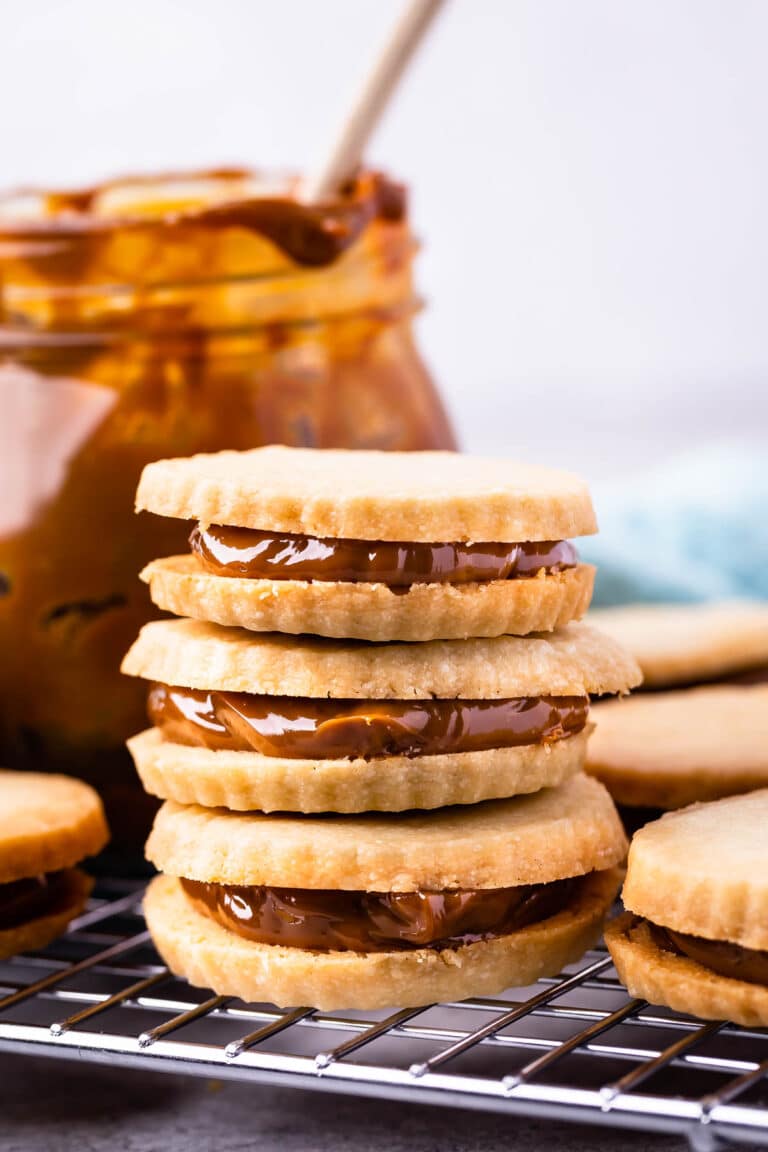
575,1047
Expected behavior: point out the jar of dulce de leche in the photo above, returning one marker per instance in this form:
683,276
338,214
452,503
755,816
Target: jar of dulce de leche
162,317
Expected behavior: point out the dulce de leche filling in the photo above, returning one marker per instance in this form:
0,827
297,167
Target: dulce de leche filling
331,920
326,729
34,897
719,956
246,552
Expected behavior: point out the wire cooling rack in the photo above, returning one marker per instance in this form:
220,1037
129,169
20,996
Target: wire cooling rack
575,1048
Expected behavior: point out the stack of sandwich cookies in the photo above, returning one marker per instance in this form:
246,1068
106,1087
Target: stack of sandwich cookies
695,936
375,910
369,727
371,545
702,734
305,724
48,825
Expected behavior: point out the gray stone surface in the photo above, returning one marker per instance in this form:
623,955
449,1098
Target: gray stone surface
58,1106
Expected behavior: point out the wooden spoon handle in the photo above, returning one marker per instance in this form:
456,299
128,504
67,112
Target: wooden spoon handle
373,99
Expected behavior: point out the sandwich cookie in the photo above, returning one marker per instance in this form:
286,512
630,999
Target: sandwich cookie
371,545
707,738
275,723
689,644
695,936
668,749
48,824
375,910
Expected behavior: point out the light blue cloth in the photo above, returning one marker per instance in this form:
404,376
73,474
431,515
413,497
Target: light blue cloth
692,529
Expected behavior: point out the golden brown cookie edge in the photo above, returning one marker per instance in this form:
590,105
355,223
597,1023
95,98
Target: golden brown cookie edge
243,781
372,611
538,838
431,497
574,661
679,877
650,973
50,839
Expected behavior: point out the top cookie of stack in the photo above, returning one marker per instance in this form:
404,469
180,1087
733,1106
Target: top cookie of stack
371,545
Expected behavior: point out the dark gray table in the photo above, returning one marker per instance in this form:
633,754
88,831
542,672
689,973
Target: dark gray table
57,1106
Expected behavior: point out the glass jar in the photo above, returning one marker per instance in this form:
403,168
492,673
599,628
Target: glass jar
163,317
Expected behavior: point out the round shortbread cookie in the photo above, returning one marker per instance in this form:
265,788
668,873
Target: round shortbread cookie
244,781
575,661
197,948
372,611
37,933
534,839
47,823
667,749
360,495
661,977
688,643
702,871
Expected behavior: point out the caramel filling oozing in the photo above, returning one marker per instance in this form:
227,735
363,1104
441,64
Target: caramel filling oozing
34,897
331,920
719,956
325,729
245,552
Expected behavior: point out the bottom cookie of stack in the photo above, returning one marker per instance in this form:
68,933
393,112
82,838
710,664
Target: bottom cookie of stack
379,910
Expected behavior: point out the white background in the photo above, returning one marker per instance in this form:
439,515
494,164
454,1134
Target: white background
590,179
